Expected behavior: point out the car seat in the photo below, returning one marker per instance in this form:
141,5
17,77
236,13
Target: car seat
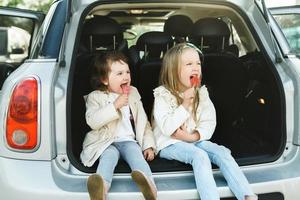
224,74
153,45
214,38
179,27
102,33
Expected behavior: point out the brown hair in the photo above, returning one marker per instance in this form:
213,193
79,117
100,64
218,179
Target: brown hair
169,75
101,68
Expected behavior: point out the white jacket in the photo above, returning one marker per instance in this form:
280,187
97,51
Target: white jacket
103,119
168,116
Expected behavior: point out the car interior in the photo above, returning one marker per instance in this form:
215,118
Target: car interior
242,82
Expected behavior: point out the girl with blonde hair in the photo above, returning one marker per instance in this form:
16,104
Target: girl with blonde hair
184,121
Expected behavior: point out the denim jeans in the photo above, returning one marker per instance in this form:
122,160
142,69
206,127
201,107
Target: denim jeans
200,155
130,151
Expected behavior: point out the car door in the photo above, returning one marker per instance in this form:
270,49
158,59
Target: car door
18,28
285,24
288,19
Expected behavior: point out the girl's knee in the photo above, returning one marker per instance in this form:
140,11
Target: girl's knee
110,153
200,156
223,153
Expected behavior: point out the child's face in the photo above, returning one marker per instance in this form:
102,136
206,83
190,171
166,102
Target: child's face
119,75
189,66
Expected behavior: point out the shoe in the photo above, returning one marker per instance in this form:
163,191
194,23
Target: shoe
145,185
96,187
251,197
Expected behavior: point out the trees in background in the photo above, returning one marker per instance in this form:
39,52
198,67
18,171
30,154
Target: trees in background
37,5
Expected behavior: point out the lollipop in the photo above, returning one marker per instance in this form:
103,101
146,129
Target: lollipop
195,81
125,89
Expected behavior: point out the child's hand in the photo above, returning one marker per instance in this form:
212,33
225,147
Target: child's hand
121,101
179,134
149,154
182,134
188,97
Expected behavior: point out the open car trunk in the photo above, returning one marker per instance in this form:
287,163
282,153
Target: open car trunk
245,89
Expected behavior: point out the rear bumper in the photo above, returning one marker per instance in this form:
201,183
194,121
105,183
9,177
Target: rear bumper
35,180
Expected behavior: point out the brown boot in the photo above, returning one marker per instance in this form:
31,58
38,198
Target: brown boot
96,187
145,185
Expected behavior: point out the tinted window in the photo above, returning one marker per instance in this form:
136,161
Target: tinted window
290,25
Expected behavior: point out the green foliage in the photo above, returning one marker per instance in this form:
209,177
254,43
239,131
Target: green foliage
41,5
37,5
14,3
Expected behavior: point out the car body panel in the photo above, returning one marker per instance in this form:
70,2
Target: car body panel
289,52
44,70
38,16
53,182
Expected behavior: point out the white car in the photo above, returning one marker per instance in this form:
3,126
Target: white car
252,76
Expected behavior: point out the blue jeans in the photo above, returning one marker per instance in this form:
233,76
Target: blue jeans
130,151
200,155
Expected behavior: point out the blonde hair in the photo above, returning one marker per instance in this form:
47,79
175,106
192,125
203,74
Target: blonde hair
169,75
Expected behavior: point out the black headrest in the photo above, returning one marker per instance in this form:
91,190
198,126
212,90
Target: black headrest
210,27
153,38
154,43
102,25
102,32
211,35
178,25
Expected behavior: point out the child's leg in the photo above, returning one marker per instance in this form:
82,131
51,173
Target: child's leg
235,178
146,186
96,187
190,154
98,184
132,153
141,173
107,163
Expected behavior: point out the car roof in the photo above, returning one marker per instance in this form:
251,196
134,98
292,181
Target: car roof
79,4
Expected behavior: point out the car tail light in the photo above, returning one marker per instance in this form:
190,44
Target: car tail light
22,116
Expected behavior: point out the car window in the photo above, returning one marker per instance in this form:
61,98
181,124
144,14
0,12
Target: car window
290,25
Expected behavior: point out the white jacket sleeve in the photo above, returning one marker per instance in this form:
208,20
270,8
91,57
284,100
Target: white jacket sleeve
98,115
168,119
148,138
207,117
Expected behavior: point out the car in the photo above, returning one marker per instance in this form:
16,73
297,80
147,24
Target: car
17,30
17,41
251,73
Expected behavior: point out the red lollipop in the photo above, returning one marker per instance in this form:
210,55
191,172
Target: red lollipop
195,81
